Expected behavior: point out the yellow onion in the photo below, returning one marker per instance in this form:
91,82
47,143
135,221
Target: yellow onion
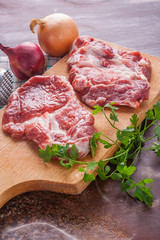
56,33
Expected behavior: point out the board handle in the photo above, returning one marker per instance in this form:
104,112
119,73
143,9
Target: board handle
40,185
9,192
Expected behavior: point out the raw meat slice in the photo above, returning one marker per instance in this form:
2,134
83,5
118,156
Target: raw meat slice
102,74
46,110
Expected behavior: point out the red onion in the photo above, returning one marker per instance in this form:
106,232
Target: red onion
26,60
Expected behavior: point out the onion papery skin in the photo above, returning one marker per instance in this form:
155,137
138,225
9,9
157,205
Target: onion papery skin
26,60
56,33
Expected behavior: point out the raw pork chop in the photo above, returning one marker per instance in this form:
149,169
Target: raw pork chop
102,74
46,110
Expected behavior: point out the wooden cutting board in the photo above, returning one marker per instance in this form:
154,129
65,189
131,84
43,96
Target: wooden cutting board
22,170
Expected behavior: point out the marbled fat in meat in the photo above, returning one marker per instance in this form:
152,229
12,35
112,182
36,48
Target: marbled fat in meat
46,111
102,74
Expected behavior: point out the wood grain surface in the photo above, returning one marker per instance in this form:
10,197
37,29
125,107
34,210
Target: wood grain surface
22,170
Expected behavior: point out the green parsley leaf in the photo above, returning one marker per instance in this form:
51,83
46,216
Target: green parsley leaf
92,165
73,153
88,177
125,135
80,169
106,143
156,148
143,195
110,105
119,157
93,143
67,165
101,165
46,154
125,171
157,132
148,180
107,169
156,108
145,181
155,113
96,110
114,116
116,176
60,151
150,115
101,174
103,170
127,185
134,120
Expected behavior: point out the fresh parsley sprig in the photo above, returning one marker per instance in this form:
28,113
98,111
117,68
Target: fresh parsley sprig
66,154
131,139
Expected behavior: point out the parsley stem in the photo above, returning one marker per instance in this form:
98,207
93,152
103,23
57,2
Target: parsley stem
111,140
138,151
109,120
156,124
79,162
125,159
144,130
145,124
108,138
112,173
149,138
139,127
135,150
146,149
108,159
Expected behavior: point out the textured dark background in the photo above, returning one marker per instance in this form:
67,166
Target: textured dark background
101,211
